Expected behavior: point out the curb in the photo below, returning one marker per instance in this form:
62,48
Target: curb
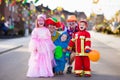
11,49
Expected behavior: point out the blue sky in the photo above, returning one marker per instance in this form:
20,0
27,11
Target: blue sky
107,7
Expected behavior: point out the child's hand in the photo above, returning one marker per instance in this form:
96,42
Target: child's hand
64,50
87,50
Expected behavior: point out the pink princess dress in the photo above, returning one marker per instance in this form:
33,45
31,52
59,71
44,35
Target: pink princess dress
41,60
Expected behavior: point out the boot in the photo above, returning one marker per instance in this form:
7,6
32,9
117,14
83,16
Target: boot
69,70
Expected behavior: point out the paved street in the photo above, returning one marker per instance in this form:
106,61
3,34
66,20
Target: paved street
13,63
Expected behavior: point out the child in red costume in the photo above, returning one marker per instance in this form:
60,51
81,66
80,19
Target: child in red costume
82,43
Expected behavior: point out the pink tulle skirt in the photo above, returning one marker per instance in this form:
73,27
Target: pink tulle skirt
41,60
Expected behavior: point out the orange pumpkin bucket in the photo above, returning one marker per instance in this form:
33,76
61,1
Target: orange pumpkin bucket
94,55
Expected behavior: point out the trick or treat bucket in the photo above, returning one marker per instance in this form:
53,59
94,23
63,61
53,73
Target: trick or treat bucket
58,52
94,55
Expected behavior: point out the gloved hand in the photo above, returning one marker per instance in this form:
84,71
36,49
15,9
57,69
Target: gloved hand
87,50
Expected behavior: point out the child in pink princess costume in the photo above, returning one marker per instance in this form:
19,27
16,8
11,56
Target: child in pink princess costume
41,60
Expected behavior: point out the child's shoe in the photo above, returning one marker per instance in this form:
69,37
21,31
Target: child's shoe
61,72
79,75
69,70
56,73
87,75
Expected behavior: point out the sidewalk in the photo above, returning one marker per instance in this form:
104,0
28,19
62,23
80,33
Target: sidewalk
109,40
14,43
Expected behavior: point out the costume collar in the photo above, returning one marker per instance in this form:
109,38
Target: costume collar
54,34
